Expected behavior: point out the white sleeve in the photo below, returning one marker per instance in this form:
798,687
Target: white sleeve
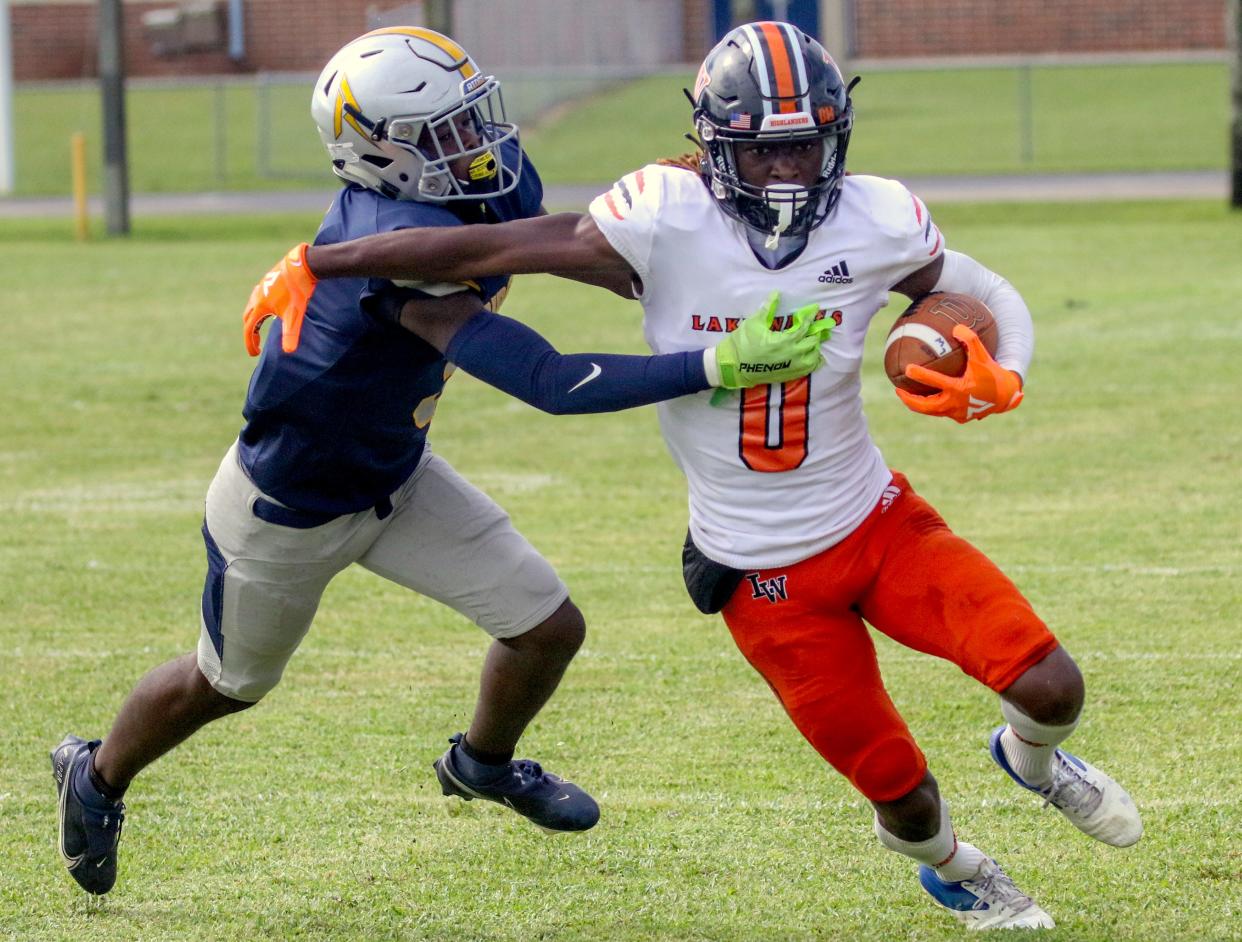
626,214
1016,332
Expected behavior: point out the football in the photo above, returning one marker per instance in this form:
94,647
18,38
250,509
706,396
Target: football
923,335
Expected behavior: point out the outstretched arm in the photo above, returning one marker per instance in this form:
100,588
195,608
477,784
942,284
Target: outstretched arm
562,243
519,361
515,359
566,244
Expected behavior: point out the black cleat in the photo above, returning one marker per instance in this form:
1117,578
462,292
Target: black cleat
546,799
90,828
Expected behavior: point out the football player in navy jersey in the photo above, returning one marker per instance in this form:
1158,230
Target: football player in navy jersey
333,466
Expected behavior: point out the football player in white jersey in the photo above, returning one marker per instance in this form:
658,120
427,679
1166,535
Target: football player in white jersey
827,537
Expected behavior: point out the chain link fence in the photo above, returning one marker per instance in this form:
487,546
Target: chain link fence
255,132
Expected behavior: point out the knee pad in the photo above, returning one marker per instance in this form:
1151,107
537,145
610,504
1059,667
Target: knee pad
888,769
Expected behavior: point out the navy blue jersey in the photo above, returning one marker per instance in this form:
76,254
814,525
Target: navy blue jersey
336,426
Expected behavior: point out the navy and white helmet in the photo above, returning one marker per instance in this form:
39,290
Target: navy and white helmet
385,100
771,82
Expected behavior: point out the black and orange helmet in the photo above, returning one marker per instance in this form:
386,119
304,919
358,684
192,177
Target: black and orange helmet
771,82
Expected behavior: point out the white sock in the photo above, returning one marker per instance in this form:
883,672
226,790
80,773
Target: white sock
1029,746
962,865
952,860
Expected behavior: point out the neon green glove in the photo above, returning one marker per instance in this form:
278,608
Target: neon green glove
755,354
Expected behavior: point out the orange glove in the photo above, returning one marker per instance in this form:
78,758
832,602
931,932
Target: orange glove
284,292
986,387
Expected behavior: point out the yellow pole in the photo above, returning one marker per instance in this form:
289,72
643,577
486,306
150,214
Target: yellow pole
77,152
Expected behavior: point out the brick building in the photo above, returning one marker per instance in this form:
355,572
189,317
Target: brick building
888,28
56,39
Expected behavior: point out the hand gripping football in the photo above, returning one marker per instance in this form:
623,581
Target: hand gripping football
923,334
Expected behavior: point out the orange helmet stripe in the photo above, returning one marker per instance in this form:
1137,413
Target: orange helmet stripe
782,67
461,60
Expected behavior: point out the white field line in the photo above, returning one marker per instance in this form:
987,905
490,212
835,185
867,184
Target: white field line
178,496
1132,569
615,569
706,804
188,495
520,482
115,508
352,654
114,498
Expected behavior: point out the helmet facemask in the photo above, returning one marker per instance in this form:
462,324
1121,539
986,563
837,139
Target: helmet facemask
770,83
437,142
779,210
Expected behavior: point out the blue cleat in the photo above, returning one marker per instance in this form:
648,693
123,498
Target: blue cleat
988,900
90,827
1088,798
548,800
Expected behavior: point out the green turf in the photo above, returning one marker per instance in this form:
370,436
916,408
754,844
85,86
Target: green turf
211,137
1110,497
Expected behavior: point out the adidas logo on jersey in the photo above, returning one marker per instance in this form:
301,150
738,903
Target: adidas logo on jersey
838,274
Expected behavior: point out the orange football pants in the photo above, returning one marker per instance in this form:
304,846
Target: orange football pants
908,575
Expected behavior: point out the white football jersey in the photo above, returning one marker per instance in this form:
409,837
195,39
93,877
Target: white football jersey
776,473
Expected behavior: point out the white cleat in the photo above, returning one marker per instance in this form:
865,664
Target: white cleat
1092,801
988,900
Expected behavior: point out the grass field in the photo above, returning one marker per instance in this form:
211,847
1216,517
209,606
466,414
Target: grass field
207,137
1110,496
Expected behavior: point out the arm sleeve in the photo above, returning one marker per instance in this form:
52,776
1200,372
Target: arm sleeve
517,360
1016,332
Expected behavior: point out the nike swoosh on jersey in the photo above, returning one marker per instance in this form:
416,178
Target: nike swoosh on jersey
596,369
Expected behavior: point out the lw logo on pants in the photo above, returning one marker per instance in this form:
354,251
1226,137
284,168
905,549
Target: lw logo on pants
771,589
